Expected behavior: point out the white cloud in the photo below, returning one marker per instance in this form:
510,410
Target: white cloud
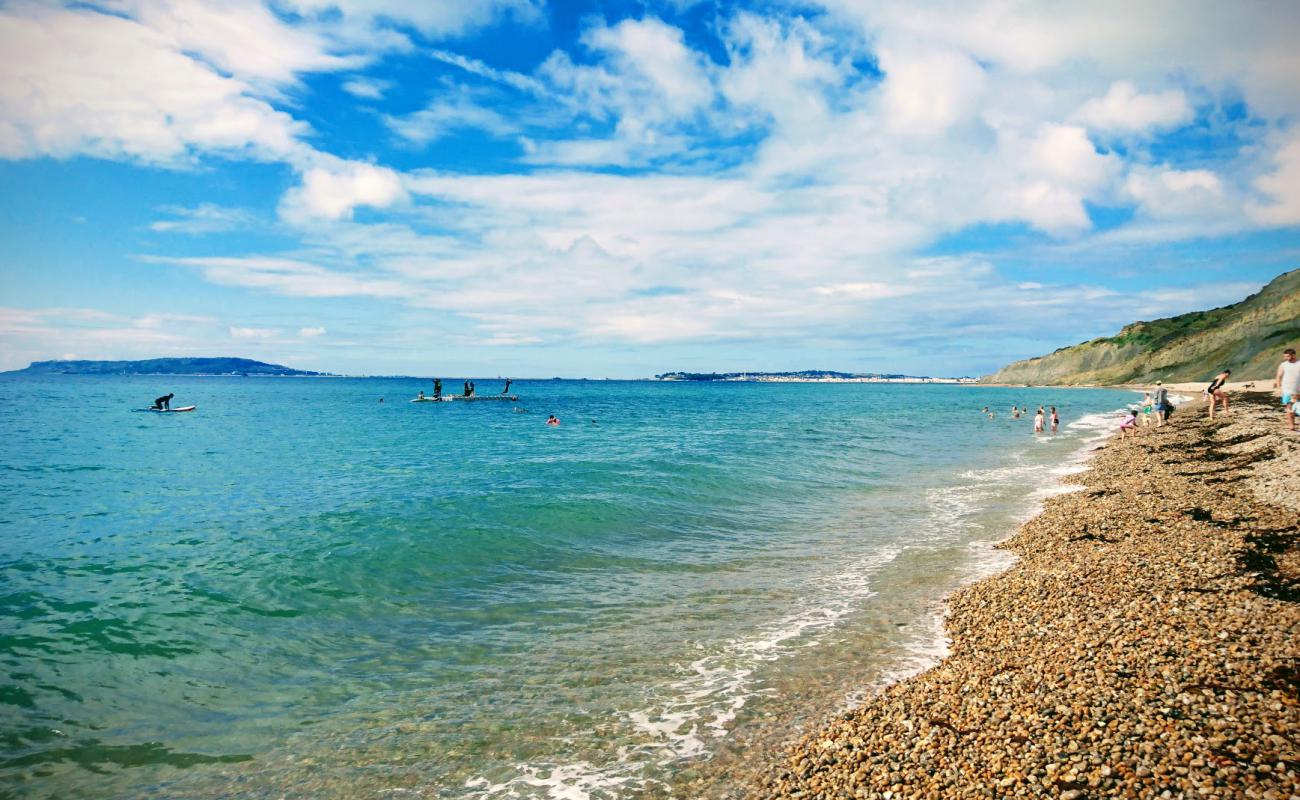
311,333
926,91
78,81
525,83
332,191
1172,193
648,85
253,333
782,71
447,114
654,56
436,18
201,219
1281,186
242,38
1126,111
366,88
288,277
868,290
28,335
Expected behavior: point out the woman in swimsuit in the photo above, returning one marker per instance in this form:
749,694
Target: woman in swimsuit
1056,419
1038,421
1215,391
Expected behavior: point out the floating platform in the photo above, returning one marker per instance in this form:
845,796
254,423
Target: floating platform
460,398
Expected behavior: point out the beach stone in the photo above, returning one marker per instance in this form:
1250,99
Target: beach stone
1143,645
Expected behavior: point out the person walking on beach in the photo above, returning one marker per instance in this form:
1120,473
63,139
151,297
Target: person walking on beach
1147,409
1287,382
1160,403
1056,419
1038,421
1215,391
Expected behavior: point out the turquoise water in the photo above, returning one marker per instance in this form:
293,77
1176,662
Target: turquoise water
298,591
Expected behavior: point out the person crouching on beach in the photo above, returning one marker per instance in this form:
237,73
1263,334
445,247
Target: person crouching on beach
1215,391
1038,420
1129,425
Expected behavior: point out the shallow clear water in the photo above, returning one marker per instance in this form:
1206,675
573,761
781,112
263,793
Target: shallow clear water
300,591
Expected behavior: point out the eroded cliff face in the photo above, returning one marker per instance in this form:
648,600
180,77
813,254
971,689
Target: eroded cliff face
1246,337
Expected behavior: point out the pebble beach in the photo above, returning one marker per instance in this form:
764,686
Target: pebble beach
1143,645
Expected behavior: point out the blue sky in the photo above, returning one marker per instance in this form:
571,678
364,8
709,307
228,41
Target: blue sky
618,189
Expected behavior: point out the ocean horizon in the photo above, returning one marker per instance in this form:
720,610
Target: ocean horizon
299,591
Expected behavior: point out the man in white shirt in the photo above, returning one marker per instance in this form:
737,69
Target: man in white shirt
1287,382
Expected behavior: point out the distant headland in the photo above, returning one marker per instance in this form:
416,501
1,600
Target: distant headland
806,376
166,366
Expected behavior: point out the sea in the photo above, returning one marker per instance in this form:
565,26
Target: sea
314,588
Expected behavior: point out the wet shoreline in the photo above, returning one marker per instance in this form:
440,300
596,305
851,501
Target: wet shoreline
1142,644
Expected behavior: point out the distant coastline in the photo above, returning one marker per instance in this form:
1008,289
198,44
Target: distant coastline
173,367
804,376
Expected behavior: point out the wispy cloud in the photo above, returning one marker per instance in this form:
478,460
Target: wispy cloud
201,219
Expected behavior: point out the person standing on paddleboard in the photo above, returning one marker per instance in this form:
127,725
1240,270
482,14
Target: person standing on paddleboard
164,403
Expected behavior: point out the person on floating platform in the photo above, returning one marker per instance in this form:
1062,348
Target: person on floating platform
437,388
163,403
507,389
469,388
421,397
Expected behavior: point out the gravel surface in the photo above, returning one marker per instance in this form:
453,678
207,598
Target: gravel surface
1144,645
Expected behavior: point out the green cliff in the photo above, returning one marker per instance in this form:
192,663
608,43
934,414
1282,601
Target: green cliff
1246,337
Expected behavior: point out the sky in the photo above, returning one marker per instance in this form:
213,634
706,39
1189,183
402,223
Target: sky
608,189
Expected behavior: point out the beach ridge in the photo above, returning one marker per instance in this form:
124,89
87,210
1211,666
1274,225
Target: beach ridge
1143,644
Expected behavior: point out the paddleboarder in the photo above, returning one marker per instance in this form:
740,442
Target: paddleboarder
163,403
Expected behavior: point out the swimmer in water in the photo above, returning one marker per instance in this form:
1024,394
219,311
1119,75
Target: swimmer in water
552,420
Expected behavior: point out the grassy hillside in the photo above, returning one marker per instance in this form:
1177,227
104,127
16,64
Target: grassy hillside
1246,337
